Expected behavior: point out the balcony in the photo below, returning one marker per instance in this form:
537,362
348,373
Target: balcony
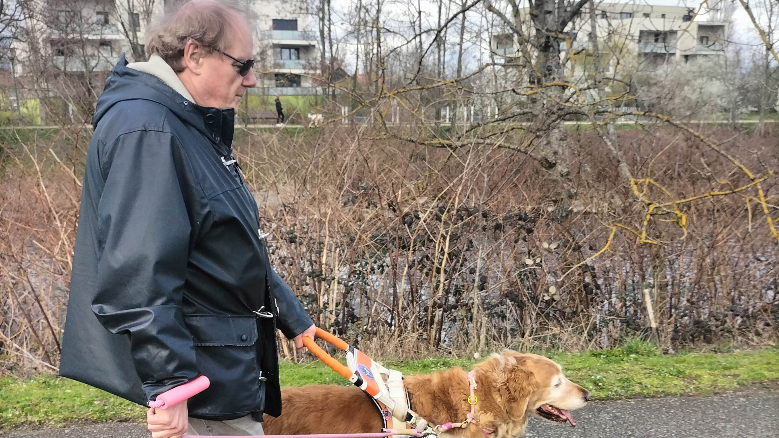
575,45
89,32
290,37
657,47
709,48
289,64
77,63
503,52
286,91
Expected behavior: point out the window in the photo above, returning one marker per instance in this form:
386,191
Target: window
285,24
625,15
292,53
68,18
504,43
62,48
659,37
704,39
287,80
646,15
106,50
604,15
142,50
135,21
101,18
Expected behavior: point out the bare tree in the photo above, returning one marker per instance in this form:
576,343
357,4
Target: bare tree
768,16
131,15
70,46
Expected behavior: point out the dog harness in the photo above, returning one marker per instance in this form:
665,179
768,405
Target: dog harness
385,387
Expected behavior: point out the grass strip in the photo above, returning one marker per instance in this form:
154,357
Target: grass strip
634,370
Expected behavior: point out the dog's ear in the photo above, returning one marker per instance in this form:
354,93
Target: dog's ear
515,384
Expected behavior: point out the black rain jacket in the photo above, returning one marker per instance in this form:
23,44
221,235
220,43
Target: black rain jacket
171,278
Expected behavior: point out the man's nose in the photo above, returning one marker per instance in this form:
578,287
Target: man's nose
249,81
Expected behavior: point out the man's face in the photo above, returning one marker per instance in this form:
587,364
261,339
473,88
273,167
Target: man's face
220,83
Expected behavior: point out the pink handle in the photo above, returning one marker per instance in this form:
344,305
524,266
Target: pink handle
180,393
388,432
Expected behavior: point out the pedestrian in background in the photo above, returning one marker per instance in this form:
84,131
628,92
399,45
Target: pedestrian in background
279,111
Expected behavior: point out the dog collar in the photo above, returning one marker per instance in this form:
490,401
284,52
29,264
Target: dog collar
471,417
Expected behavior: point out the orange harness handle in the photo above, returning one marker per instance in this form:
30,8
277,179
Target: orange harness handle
326,358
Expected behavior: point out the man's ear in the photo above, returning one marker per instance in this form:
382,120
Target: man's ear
193,56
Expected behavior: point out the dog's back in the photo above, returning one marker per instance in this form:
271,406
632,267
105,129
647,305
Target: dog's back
321,409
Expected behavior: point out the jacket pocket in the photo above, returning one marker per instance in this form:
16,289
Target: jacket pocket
226,351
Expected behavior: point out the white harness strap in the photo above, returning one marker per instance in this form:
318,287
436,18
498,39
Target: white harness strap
389,393
398,394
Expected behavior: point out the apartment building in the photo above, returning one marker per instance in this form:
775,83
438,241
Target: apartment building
658,34
81,36
87,37
288,51
655,34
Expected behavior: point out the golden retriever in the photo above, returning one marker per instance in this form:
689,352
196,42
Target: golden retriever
510,387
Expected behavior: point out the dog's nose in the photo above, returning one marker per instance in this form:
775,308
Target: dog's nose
587,396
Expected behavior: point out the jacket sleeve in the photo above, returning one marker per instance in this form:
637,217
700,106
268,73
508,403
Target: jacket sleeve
292,318
145,223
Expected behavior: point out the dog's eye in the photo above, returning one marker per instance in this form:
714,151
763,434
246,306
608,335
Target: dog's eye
558,384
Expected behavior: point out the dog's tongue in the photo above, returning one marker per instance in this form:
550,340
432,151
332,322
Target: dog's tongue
568,416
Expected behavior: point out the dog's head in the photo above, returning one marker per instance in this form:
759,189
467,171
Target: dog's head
524,385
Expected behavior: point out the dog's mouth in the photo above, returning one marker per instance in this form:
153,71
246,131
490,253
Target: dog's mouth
555,414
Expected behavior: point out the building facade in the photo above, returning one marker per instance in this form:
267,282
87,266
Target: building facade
654,34
85,38
288,52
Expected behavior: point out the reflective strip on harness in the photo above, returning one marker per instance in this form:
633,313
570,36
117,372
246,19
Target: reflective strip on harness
360,362
384,386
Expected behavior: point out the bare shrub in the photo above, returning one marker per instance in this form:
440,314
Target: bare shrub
39,196
412,249
407,251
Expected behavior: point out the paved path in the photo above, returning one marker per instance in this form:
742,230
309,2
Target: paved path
753,414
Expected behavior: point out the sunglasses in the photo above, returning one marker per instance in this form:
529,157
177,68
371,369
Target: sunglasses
245,66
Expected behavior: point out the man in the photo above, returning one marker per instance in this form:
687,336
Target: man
171,277
279,111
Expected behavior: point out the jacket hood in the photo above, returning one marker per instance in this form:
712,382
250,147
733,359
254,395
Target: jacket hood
127,83
157,67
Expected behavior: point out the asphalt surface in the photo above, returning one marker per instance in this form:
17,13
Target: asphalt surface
753,413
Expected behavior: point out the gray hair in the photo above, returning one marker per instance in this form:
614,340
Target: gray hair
209,22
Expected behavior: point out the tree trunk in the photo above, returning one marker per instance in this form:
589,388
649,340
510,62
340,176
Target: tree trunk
322,46
356,59
460,70
438,64
330,47
610,136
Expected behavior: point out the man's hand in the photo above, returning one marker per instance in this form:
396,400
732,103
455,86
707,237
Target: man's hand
309,332
168,423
